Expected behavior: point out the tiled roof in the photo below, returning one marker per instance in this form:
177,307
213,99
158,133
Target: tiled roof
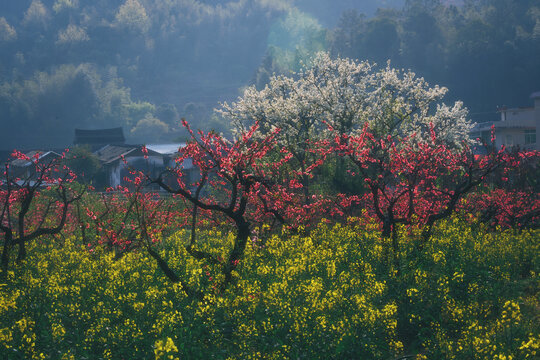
31,155
99,136
111,153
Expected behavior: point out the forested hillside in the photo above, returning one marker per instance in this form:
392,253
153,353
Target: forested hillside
486,52
143,64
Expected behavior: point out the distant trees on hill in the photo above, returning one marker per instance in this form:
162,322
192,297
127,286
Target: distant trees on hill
118,57
482,51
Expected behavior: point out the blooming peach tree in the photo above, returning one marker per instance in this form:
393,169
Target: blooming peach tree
34,204
237,183
418,183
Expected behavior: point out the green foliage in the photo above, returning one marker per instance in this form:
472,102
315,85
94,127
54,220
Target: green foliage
137,111
84,163
150,129
294,40
168,114
53,104
332,294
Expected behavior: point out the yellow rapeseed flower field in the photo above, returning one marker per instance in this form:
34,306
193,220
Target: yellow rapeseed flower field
333,293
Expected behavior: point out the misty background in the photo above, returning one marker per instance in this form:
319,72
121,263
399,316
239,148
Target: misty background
144,64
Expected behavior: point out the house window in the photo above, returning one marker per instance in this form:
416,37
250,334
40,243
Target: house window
509,140
530,136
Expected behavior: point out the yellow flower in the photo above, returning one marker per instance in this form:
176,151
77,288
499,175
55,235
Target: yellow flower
68,356
165,349
6,336
58,331
439,257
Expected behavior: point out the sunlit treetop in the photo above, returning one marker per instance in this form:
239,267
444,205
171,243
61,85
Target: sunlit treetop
7,32
36,14
132,15
72,34
60,5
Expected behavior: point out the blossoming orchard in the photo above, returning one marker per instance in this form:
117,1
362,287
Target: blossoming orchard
351,216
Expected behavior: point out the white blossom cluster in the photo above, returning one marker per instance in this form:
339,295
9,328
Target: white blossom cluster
343,94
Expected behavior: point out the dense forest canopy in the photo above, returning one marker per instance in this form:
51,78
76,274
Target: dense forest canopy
143,64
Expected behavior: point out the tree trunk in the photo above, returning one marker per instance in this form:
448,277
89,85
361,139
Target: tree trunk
164,266
395,248
238,250
390,234
5,254
22,251
171,275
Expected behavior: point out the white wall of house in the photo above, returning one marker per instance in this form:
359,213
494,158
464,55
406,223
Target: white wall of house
511,137
519,115
116,169
114,174
517,127
150,160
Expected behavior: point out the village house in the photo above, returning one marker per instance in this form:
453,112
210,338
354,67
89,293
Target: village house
518,127
118,159
25,170
169,153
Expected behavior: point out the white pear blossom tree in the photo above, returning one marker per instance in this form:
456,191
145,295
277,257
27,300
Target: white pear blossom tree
346,94
343,95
